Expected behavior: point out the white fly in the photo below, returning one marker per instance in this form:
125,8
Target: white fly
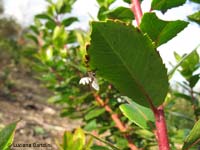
91,80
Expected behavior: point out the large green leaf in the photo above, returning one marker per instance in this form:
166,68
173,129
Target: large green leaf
164,5
7,135
195,17
161,31
138,114
121,13
124,56
193,137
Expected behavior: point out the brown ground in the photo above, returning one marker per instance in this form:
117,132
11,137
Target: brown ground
40,121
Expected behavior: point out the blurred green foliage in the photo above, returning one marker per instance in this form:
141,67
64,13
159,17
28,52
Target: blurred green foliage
59,62
57,52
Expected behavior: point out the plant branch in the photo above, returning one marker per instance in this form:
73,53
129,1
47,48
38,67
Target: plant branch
115,117
103,141
137,11
161,129
193,105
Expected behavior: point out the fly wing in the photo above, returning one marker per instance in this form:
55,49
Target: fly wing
95,84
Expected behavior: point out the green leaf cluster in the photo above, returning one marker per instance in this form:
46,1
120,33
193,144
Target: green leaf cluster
76,141
188,67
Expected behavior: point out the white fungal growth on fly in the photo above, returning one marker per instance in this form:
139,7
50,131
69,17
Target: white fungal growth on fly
90,80
85,80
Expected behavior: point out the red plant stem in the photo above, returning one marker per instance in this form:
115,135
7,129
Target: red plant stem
119,124
161,129
161,132
137,11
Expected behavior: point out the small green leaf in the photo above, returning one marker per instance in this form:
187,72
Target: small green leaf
193,80
58,31
79,135
195,17
138,114
120,13
34,29
49,54
97,147
94,113
105,3
67,140
44,16
59,36
7,136
59,5
196,1
72,37
177,56
146,134
180,60
49,1
64,6
193,137
189,64
50,25
127,1
135,68
121,142
160,31
92,125
68,21
32,37
101,13
182,95
164,5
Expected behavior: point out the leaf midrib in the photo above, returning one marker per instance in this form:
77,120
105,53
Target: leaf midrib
139,111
